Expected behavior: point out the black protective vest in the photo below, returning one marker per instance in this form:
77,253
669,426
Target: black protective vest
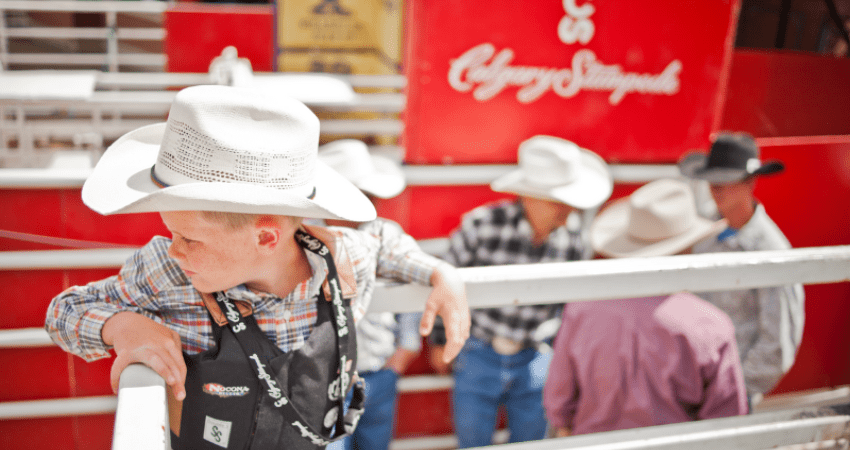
245,393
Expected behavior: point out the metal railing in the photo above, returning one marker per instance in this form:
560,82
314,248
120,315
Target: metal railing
110,33
572,282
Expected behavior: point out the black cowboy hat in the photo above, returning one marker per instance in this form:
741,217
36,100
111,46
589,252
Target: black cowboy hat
733,157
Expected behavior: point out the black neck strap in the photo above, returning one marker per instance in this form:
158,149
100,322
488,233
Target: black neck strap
259,363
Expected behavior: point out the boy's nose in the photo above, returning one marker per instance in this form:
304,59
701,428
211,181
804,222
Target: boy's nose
174,252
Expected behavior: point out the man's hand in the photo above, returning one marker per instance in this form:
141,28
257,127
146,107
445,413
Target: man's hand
435,358
448,299
137,339
563,432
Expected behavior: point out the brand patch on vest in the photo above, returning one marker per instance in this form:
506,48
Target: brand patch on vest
217,431
225,391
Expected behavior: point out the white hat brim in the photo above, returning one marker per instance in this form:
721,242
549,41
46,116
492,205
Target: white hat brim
387,181
609,236
591,187
121,183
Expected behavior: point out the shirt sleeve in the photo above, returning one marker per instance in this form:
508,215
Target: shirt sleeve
560,393
76,317
725,394
399,256
776,344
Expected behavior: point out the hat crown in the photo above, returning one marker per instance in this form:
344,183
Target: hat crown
661,210
733,151
548,162
206,140
349,157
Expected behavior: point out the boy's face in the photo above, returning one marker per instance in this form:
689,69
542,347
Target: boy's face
214,256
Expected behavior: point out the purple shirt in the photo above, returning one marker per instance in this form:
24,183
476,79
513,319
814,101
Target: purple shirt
645,361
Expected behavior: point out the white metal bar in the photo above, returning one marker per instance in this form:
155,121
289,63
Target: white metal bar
151,7
355,127
138,34
812,398
754,431
558,282
577,281
31,409
156,79
25,337
128,59
424,383
141,417
64,259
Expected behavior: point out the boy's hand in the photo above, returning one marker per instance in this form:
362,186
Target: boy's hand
137,339
448,299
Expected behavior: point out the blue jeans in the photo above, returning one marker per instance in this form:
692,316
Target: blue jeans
485,379
375,428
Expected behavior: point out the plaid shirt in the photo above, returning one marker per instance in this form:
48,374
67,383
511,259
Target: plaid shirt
498,234
150,283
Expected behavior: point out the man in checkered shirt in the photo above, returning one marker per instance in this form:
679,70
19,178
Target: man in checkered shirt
502,362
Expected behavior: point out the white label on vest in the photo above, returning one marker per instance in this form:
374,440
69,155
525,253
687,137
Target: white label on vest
217,431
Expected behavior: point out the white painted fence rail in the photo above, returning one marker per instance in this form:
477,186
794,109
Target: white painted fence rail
556,283
141,420
751,432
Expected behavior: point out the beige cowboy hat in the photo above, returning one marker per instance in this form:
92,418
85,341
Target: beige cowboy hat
658,219
556,169
373,174
225,149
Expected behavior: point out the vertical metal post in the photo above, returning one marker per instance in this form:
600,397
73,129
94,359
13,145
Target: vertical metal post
4,43
112,40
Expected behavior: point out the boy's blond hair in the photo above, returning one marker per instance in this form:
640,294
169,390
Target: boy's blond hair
235,221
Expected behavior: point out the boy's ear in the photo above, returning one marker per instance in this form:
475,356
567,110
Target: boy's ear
268,237
268,232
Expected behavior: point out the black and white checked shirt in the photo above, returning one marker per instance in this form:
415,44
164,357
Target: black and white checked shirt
497,234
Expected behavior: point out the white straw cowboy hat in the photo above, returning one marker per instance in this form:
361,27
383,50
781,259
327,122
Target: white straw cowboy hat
658,219
556,169
225,149
373,174
733,157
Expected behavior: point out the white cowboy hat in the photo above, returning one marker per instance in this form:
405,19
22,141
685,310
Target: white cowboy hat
658,219
225,149
373,174
556,169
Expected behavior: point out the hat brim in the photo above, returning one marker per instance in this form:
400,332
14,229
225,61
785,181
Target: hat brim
386,182
121,183
591,187
695,166
609,237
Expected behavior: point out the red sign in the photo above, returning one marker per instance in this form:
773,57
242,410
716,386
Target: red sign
636,81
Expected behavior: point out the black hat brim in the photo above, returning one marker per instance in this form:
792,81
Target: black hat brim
695,165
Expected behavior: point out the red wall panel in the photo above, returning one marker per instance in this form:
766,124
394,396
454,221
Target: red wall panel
474,69
196,33
787,94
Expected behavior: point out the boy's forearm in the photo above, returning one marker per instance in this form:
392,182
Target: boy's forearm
75,324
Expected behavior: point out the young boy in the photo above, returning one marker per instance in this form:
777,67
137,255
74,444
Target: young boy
252,310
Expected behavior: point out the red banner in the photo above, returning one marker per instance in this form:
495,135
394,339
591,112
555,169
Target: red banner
637,81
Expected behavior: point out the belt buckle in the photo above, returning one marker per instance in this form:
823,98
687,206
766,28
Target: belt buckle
505,346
